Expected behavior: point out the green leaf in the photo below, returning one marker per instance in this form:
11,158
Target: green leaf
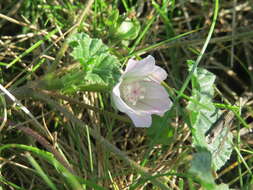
203,115
221,148
160,131
85,49
201,169
97,67
106,67
95,58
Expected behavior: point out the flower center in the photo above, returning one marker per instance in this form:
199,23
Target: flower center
132,92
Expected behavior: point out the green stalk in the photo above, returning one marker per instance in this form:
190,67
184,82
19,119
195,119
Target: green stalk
40,171
29,50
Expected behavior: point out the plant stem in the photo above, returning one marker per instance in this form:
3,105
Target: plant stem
187,80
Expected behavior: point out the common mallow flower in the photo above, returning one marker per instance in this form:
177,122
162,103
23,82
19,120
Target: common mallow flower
139,92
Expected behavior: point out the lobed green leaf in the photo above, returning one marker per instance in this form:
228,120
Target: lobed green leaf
203,115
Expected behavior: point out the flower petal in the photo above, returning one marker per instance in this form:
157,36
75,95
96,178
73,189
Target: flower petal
140,69
119,103
139,120
144,68
130,65
142,120
156,100
154,90
154,106
158,74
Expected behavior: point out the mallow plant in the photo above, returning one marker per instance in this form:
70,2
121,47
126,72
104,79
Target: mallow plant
138,92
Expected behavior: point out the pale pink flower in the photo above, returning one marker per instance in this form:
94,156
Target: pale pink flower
139,92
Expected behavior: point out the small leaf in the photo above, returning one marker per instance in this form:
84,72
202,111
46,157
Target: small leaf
85,48
97,66
160,131
94,78
201,168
